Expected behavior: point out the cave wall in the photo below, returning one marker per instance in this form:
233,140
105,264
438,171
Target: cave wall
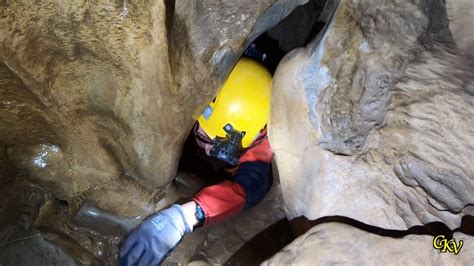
461,19
377,114
372,120
97,71
334,243
96,99
97,94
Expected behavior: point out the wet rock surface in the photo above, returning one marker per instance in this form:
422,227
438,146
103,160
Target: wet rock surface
27,248
35,228
115,87
96,100
372,120
335,243
19,207
378,117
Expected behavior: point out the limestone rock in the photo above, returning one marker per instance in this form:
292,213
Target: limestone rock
96,100
29,249
83,244
461,19
334,243
377,114
93,70
97,94
20,204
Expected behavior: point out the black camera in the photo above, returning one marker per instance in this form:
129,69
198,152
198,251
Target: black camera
227,149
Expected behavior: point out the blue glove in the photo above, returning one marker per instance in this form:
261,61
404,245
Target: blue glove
155,238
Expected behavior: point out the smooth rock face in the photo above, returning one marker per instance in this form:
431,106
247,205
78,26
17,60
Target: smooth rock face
377,114
461,19
96,100
93,72
32,249
334,243
115,87
373,120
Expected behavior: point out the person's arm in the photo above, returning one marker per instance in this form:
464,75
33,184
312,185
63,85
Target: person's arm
189,210
249,186
159,234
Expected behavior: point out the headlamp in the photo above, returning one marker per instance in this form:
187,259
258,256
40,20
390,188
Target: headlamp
227,149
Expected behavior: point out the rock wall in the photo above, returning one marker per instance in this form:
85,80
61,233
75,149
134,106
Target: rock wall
461,19
377,114
96,99
372,120
93,93
334,243
95,73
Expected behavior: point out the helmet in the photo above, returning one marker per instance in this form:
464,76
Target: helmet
243,102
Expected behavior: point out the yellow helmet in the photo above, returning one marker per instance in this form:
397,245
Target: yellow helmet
243,102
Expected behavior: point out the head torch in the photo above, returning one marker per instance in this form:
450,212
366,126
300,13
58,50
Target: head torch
227,149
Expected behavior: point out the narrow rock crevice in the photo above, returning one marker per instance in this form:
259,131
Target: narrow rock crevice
370,125
283,232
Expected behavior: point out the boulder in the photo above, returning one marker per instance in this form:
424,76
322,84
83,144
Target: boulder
335,243
377,115
33,248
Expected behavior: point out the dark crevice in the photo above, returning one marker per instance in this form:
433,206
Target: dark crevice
169,7
433,228
264,245
297,29
275,237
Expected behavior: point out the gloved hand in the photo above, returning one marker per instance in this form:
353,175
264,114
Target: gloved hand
154,239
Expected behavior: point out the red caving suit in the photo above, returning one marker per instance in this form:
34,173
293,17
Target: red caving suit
246,185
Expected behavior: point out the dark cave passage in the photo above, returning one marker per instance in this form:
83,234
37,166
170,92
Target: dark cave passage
197,170
296,30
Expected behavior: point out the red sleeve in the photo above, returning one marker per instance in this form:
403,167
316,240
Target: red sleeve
228,198
220,201
262,152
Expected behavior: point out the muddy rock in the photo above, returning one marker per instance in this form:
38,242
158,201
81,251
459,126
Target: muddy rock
73,60
96,100
98,94
372,120
335,243
21,242
20,204
377,115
